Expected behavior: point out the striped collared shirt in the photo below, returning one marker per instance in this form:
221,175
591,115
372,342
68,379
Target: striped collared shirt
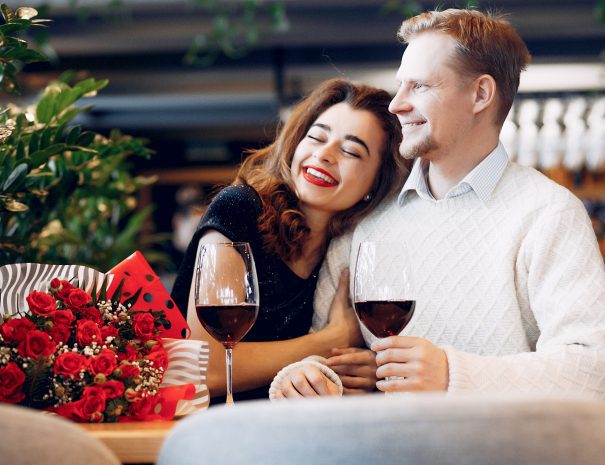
482,179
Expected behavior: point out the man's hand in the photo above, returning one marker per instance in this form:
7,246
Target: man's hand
420,365
306,381
356,369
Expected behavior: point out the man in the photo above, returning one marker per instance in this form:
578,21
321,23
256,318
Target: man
509,280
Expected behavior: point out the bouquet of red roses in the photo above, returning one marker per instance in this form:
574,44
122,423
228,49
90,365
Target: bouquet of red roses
84,356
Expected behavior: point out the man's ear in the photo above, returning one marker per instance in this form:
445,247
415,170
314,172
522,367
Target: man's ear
485,93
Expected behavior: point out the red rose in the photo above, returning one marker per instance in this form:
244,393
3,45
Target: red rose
113,389
87,332
77,299
93,399
63,317
11,380
37,344
59,333
91,313
41,303
129,371
143,408
144,325
89,408
70,364
55,284
130,354
108,331
159,357
64,289
15,329
104,363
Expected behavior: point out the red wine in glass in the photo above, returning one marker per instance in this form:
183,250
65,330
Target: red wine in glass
228,324
385,318
226,296
384,297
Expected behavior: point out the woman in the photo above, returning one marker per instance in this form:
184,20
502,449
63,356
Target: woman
333,161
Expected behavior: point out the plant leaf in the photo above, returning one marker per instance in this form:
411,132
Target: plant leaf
16,177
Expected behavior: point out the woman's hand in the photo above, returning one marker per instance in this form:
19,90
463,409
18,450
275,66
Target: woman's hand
342,321
306,381
356,368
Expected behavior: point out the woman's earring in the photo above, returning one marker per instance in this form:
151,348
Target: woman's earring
367,197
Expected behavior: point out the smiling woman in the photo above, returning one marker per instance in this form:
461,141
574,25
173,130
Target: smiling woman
333,161
336,164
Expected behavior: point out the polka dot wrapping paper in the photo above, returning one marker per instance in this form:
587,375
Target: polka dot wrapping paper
153,296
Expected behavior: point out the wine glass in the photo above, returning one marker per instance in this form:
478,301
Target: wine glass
383,295
226,295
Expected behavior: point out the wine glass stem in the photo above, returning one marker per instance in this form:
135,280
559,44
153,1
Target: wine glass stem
229,397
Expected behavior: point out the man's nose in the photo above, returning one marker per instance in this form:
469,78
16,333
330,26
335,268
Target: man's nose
400,102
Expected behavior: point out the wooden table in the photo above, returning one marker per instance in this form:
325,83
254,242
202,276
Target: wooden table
137,442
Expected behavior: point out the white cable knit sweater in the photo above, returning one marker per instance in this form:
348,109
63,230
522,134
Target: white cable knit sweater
512,289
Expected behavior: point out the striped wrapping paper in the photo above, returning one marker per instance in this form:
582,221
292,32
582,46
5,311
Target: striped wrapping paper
187,363
18,280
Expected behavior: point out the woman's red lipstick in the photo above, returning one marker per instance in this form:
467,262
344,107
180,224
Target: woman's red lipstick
318,181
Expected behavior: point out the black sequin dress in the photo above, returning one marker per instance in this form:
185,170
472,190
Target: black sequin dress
286,299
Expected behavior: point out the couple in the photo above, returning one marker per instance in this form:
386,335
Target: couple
511,286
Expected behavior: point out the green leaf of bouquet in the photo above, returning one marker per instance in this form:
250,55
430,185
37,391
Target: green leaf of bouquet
132,299
103,291
117,295
38,381
93,292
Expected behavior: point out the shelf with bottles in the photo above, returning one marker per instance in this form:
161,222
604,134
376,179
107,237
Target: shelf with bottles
563,135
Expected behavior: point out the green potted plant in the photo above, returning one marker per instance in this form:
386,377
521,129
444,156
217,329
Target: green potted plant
67,195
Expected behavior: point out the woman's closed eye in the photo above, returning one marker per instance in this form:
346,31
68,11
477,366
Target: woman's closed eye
350,152
316,138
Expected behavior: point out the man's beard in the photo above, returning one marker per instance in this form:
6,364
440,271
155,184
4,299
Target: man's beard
419,150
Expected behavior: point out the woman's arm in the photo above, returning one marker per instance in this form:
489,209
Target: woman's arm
256,363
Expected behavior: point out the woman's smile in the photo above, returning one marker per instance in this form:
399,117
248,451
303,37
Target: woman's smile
319,177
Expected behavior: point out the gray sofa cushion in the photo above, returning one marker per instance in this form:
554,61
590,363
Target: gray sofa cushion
418,429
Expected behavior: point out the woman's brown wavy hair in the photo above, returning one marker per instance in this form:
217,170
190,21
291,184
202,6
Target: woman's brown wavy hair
267,170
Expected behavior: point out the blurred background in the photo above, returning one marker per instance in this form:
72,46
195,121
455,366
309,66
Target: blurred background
203,80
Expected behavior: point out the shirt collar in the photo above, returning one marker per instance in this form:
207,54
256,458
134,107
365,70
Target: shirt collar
482,179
